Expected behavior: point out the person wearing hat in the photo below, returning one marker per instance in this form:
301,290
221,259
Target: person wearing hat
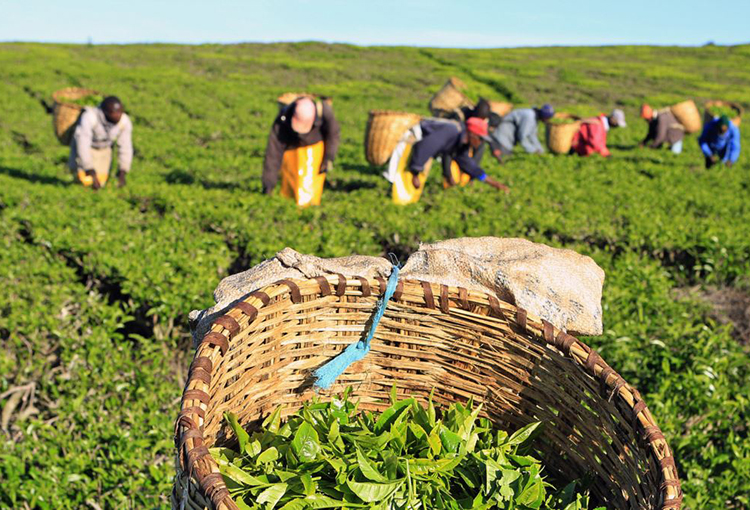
302,146
591,137
453,141
663,127
97,130
519,126
720,140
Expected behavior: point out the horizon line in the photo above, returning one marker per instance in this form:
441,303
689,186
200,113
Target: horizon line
384,45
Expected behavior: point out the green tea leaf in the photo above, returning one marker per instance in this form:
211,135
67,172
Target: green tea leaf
305,442
367,468
373,492
239,432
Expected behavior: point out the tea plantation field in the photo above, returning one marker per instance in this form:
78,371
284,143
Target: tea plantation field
96,287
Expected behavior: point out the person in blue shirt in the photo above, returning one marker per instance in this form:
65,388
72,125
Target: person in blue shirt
720,140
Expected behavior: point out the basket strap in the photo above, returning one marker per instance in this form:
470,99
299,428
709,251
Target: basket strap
326,375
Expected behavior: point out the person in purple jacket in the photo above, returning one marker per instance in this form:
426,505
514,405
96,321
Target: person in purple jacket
720,140
451,140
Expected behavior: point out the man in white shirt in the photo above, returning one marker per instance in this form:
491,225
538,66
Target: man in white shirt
91,147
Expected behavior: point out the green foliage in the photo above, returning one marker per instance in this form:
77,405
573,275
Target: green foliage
408,456
97,286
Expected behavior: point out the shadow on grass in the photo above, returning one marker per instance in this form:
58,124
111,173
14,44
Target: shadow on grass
31,177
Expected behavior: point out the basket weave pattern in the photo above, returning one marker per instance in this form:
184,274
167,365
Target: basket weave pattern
64,114
688,115
384,130
450,97
560,136
459,343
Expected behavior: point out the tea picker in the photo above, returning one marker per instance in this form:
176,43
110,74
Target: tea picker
450,139
301,147
663,127
519,126
720,141
591,137
97,130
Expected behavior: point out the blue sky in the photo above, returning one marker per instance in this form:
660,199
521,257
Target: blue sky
420,22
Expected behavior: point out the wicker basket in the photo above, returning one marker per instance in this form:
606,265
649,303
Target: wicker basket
450,97
288,98
384,129
560,136
458,342
500,108
64,114
688,115
736,120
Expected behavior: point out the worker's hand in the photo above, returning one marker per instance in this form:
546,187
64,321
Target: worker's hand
710,160
95,184
120,179
498,154
415,181
497,185
641,145
728,163
326,167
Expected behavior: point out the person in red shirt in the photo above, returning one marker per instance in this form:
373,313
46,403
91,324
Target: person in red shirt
591,138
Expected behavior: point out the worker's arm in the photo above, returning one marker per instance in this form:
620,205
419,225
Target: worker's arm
703,140
272,160
733,147
469,166
439,140
651,134
662,126
528,134
84,136
125,145
331,134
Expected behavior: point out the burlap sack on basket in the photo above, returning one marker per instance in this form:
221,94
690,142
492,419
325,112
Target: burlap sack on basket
558,285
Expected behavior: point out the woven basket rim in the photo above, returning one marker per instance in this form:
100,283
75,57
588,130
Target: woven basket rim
217,340
720,102
394,112
57,96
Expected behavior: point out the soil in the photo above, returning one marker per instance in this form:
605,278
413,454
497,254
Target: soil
728,306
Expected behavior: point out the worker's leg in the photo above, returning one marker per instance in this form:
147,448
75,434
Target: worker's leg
676,147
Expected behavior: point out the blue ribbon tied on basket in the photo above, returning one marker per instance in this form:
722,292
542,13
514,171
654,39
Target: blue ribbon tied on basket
326,375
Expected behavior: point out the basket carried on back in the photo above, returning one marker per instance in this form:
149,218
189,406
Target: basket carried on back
288,98
384,129
456,342
736,118
500,108
688,115
560,136
65,114
449,98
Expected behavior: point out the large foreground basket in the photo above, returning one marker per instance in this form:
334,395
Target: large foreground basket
688,115
450,97
288,98
736,119
560,136
384,129
460,344
65,114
